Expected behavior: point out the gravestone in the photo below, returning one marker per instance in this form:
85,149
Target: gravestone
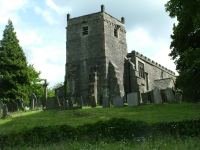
169,95
118,102
178,96
145,98
5,111
132,99
157,96
21,103
105,103
1,109
93,101
52,103
33,100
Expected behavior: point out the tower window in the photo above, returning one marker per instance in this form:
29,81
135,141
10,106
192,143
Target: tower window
116,33
85,30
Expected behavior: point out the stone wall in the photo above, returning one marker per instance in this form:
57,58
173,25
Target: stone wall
153,70
115,52
85,54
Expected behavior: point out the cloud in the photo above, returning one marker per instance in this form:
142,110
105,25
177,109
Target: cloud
156,49
52,5
29,38
139,39
47,15
58,9
9,10
50,61
161,56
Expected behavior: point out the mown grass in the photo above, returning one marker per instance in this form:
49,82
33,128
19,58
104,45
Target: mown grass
164,143
148,113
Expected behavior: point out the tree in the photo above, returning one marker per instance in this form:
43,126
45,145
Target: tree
17,77
185,45
35,85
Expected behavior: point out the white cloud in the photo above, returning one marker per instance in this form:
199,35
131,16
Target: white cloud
161,56
139,39
29,37
50,61
60,10
46,15
53,6
9,10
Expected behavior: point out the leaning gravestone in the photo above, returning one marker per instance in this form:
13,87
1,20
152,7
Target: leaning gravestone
118,102
157,96
132,99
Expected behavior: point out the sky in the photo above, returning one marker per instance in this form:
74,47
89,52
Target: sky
40,27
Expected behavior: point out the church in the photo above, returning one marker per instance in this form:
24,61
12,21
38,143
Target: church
100,71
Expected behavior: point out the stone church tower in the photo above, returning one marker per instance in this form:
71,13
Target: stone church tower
95,52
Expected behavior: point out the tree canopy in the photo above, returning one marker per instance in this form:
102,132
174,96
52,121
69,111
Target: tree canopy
18,78
185,45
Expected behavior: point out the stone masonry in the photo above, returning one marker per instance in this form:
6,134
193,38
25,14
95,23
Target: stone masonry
98,68
96,48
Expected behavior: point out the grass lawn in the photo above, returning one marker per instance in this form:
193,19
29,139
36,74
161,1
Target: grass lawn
148,113
164,143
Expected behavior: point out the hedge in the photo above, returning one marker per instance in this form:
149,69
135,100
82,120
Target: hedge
115,129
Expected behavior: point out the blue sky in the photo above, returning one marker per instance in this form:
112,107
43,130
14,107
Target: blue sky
40,27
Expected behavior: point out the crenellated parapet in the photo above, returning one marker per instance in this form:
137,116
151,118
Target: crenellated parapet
148,60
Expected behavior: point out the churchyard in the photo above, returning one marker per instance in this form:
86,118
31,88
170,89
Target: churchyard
49,120
111,97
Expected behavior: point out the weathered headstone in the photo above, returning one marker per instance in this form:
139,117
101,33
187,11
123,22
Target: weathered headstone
157,96
33,100
21,103
93,101
105,103
118,102
132,99
145,98
5,111
1,109
45,93
169,95
178,96
52,103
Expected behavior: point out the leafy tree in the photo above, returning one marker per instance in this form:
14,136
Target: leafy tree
35,85
19,79
51,92
13,66
185,45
